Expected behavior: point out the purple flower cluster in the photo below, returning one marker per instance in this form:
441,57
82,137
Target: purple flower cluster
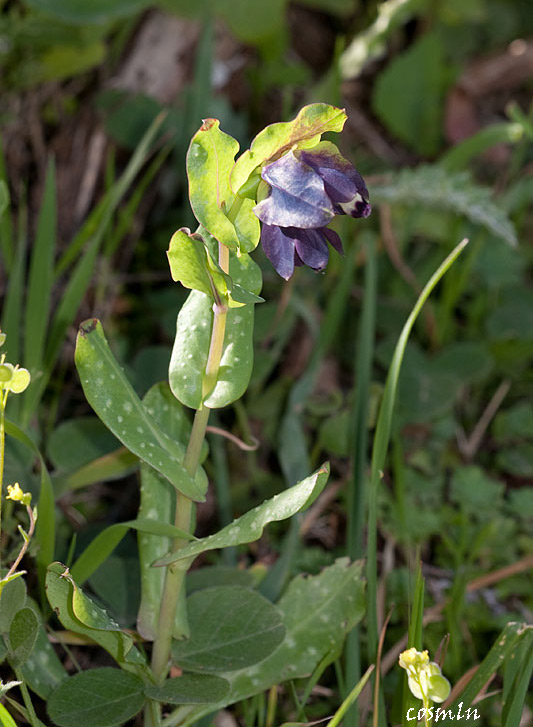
308,188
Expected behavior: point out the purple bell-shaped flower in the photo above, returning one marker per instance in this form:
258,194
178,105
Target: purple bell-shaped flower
308,187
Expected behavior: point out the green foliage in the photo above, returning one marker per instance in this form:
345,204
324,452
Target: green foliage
436,188
231,628
190,689
96,698
191,345
409,95
108,391
79,12
305,130
327,606
80,614
250,527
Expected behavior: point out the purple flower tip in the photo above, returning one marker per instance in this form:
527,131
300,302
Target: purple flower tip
308,188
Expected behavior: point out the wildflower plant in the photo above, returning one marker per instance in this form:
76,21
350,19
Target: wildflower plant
227,642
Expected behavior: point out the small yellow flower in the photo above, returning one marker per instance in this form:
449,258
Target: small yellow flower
14,492
424,676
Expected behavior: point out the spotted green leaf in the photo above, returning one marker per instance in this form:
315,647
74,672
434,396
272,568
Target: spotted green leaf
101,697
303,131
249,527
78,613
210,159
327,606
190,689
193,333
112,397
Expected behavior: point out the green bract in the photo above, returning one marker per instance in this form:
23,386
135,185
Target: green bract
210,159
304,131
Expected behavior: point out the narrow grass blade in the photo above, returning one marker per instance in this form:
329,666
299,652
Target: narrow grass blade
98,222
350,699
414,638
381,442
39,287
6,226
505,646
12,309
106,542
41,275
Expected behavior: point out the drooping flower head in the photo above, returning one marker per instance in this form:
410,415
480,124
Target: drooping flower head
307,188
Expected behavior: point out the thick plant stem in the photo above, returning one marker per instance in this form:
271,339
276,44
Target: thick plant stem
176,572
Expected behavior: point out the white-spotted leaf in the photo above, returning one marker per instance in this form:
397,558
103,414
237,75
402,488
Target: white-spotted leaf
249,527
112,397
61,594
193,334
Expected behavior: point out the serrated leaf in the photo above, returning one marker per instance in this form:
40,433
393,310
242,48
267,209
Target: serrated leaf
432,186
249,527
327,606
22,636
305,130
190,689
118,406
60,592
96,698
231,627
193,335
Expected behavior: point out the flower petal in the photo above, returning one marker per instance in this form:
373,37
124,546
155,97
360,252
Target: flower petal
343,183
312,248
334,240
279,249
298,197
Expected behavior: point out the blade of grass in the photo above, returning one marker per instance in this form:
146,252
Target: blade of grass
350,699
514,695
99,220
82,273
6,225
381,442
13,304
504,648
380,447
40,282
356,498
414,639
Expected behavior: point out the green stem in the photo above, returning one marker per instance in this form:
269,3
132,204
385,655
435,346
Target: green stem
3,398
176,572
27,699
